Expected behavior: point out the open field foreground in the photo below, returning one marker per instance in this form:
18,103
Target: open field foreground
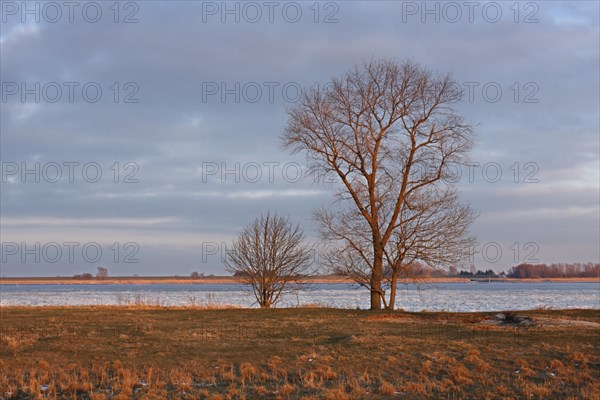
308,353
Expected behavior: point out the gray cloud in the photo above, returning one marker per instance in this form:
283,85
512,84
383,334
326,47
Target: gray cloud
176,130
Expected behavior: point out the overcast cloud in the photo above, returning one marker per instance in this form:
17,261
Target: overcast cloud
180,119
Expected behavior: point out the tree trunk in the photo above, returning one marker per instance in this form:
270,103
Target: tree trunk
392,302
375,293
376,276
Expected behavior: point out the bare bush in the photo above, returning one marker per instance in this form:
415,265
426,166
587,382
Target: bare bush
270,256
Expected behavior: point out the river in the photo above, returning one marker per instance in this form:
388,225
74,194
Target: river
455,296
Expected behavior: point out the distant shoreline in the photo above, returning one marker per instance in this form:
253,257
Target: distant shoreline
223,280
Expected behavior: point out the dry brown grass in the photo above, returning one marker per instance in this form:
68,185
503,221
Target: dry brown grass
158,353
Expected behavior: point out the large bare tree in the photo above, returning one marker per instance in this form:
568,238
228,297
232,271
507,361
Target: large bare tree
388,132
270,256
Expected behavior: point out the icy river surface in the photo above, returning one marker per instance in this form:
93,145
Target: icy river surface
455,296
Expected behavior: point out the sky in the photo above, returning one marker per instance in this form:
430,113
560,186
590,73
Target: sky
143,136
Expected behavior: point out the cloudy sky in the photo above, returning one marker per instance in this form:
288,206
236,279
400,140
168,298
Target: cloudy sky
143,137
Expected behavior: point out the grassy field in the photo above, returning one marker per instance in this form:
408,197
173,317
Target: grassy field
311,353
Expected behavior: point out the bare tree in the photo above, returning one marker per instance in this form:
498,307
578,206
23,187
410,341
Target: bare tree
388,133
432,229
102,273
269,255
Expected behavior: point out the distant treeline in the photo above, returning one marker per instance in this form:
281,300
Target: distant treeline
560,270
421,270
521,271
